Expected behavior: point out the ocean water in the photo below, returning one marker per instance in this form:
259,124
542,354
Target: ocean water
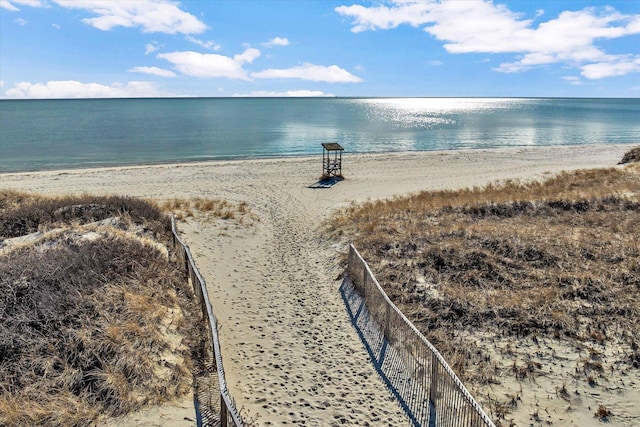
60,134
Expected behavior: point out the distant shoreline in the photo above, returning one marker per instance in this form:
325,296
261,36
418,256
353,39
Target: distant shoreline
245,159
318,97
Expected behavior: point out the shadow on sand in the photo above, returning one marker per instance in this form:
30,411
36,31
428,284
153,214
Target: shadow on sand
327,182
387,361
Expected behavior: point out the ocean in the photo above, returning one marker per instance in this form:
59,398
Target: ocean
61,134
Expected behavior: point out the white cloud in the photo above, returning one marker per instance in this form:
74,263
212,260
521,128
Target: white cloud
154,71
247,56
5,4
209,45
277,41
11,4
75,89
316,73
152,16
485,27
197,64
287,94
151,47
413,13
436,63
31,3
573,80
21,22
1,83
616,65
56,26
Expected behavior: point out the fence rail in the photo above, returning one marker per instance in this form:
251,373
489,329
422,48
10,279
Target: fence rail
229,415
432,393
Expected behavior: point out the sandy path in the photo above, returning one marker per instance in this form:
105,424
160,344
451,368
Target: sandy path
297,358
290,352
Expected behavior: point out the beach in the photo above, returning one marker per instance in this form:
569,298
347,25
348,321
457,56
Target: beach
290,353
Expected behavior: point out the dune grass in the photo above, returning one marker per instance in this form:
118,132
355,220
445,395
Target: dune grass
184,208
511,262
96,320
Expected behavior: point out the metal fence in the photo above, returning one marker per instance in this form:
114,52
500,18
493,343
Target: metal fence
429,391
228,414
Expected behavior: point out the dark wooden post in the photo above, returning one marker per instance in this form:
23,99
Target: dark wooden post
224,414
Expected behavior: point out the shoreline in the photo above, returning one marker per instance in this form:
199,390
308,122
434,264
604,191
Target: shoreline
290,352
242,159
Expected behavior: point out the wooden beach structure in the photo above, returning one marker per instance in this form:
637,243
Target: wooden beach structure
331,160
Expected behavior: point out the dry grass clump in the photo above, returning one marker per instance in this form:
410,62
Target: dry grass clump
405,211
557,260
219,209
91,326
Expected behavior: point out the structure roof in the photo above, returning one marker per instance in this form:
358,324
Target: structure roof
332,146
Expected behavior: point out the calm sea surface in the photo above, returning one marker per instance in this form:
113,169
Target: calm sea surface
56,134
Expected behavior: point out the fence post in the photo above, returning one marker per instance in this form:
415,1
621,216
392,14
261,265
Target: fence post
364,282
387,322
186,263
433,387
223,412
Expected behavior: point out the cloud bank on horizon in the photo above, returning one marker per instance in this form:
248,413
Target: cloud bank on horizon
93,48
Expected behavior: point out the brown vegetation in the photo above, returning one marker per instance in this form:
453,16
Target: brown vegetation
215,208
97,319
24,213
632,156
556,260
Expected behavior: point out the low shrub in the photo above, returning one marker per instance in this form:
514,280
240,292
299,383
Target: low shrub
92,325
22,214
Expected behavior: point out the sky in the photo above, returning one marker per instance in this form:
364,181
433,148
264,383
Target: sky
401,48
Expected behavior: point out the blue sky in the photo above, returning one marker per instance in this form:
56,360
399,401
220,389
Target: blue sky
150,48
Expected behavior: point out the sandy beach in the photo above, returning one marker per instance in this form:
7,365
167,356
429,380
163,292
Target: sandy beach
290,353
